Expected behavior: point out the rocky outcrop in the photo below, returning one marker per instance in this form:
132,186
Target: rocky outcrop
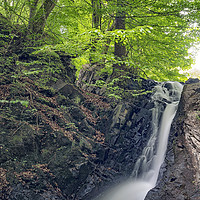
59,141
180,174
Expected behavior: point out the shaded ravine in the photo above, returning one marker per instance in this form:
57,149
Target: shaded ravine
144,176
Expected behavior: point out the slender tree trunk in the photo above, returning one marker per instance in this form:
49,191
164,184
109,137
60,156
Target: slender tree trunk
96,16
96,23
120,48
108,41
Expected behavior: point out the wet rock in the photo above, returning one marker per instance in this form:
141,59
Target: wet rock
20,192
89,77
86,145
180,177
71,145
120,116
192,80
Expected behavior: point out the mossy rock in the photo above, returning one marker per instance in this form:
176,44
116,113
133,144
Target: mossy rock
21,141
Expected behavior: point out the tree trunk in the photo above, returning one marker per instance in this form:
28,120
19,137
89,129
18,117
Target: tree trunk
38,18
120,48
33,9
96,23
96,17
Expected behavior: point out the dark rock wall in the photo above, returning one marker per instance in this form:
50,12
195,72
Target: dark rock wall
67,143
179,178
127,133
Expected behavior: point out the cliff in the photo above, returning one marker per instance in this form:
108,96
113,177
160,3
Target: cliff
179,177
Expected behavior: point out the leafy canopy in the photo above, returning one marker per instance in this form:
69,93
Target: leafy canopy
157,33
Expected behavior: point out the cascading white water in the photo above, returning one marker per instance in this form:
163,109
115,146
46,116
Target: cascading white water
146,171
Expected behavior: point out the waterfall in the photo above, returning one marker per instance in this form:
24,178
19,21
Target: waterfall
166,97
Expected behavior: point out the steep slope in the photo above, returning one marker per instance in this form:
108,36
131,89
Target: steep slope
57,140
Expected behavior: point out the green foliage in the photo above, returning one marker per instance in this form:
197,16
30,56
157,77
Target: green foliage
198,115
46,51
79,62
157,37
22,102
117,88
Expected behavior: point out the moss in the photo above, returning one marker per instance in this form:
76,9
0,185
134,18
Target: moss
16,140
44,131
30,64
61,99
77,99
45,101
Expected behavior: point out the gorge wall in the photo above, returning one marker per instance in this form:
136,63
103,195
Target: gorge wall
59,141
179,177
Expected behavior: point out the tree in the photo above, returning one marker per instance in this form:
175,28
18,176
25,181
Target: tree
96,16
35,19
158,35
38,17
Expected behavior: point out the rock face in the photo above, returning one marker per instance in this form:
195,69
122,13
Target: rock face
73,144
126,133
59,141
180,175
